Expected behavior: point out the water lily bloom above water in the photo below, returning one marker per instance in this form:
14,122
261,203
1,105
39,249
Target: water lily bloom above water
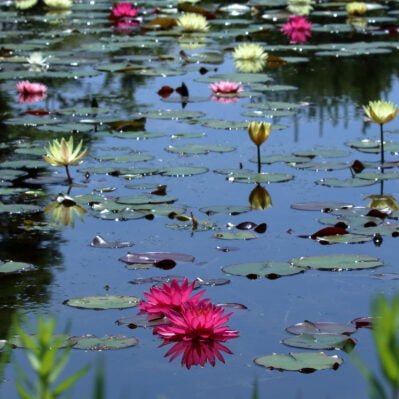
383,202
25,4
27,88
125,9
192,22
37,61
297,29
249,51
356,8
197,352
162,300
226,87
60,4
62,152
259,132
381,111
197,321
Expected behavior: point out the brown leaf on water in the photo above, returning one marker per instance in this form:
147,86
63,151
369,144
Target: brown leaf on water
274,61
37,112
187,7
164,23
329,231
165,91
182,90
161,190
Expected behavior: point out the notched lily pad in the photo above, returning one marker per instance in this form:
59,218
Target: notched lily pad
270,270
103,302
321,341
93,343
324,327
337,262
154,257
306,362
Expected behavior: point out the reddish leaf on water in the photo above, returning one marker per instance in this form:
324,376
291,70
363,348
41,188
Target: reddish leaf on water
37,112
165,264
261,228
363,322
182,90
165,91
376,213
154,257
329,231
161,190
357,166
246,226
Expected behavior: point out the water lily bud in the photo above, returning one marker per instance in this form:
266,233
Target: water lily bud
260,198
259,131
383,202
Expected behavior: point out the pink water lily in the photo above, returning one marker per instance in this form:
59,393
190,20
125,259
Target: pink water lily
162,300
226,87
27,88
197,321
198,352
297,29
125,9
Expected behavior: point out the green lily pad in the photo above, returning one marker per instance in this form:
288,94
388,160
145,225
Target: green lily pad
103,302
67,128
10,190
267,113
324,327
198,148
223,124
306,362
125,158
378,176
353,182
24,163
344,239
274,105
182,171
368,146
322,153
237,77
26,121
172,114
236,235
93,343
270,270
19,208
351,221
251,178
320,341
225,209
337,262
15,267
145,199
289,159
383,229
327,166
11,174
320,206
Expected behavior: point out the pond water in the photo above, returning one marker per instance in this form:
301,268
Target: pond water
315,93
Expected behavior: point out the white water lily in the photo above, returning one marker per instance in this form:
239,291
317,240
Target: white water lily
37,61
249,66
300,7
25,4
60,4
191,22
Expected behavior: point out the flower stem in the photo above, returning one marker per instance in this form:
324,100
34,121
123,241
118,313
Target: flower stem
259,164
382,143
68,175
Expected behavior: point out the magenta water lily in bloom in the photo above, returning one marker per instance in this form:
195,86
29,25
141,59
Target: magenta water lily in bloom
162,300
125,9
226,87
297,29
26,87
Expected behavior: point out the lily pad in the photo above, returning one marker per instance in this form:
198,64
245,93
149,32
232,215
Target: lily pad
182,171
237,77
270,270
337,262
154,257
324,327
320,341
103,302
125,158
15,267
344,239
172,114
99,242
236,235
353,182
93,343
387,229
320,206
306,362
198,148
225,209
261,178
327,166
19,208
378,176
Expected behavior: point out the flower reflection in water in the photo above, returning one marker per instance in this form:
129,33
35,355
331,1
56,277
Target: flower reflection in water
64,209
250,66
226,99
197,353
259,198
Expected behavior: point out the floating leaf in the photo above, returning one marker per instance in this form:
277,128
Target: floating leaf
337,262
236,235
261,178
141,321
182,171
353,182
100,242
93,343
324,327
227,209
19,208
198,148
154,257
303,362
387,229
320,206
344,239
15,267
103,302
270,270
321,341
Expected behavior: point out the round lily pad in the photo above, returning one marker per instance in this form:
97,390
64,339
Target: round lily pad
125,158
172,114
344,239
322,153
388,229
225,209
353,182
320,206
91,342
306,362
378,176
103,302
337,262
270,270
320,341
198,148
236,235
237,77
15,267
323,327
328,166
183,171
262,178
19,208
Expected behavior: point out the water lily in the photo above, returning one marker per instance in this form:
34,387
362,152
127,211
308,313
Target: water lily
300,7
64,210
226,87
37,61
297,29
27,88
381,112
383,202
25,4
259,198
161,300
58,4
192,22
63,153
196,352
259,132
356,8
197,321
250,51
125,9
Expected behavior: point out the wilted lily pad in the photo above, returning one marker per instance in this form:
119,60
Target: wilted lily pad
91,342
306,362
270,270
337,262
320,341
103,302
309,327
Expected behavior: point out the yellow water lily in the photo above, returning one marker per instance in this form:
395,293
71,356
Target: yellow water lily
387,202
192,22
63,153
64,209
381,111
58,3
249,51
356,8
259,198
259,132
25,4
